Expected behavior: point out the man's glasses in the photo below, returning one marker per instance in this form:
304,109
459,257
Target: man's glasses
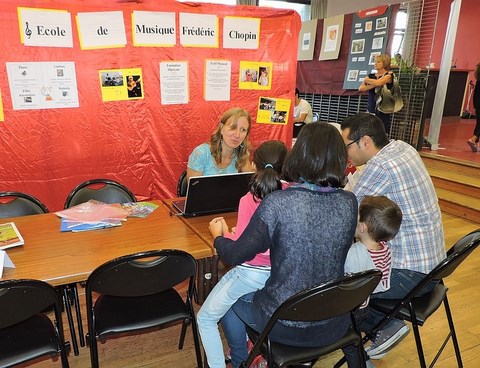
352,142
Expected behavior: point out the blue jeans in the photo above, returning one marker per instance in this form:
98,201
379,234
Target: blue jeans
238,281
241,314
401,283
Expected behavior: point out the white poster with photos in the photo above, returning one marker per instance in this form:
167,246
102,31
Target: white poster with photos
42,85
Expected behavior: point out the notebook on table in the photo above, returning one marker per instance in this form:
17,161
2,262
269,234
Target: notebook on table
213,194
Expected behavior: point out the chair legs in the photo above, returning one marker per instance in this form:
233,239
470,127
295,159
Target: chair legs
452,330
71,325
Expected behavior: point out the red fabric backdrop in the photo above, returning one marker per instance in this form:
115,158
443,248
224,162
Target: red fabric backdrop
140,143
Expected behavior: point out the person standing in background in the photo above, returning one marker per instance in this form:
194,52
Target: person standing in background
473,141
374,82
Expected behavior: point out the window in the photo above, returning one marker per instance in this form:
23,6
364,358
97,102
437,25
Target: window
302,9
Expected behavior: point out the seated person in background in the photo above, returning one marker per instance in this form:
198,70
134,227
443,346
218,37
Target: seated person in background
308,228
394,168
251,275
302,112
379,220
228,150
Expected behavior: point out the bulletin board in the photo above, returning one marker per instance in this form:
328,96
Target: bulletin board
100,103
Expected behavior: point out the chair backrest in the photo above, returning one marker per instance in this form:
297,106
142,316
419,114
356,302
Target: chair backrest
182,185
316,117
22,299
143,273
103,190
455,256
330,299
13,204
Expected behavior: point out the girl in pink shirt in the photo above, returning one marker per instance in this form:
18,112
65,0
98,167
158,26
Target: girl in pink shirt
251,275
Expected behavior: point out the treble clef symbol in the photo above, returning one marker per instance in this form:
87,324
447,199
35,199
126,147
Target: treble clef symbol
28,31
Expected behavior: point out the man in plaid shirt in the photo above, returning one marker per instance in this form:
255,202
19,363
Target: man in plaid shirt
394,168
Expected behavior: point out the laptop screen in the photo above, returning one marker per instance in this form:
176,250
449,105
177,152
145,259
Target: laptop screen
215,193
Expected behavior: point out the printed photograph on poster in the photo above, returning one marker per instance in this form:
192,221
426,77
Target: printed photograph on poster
273,110
331,39
368,26
373,56
352,75
381,23
377,43
306,41
121,84
255,75
358,46
134,86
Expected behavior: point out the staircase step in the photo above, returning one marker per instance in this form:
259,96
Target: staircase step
457,184
459,204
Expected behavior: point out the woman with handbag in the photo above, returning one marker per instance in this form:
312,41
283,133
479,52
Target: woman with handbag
374,83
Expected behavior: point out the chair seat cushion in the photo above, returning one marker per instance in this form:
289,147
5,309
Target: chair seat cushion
424,305
30,339
120,314
284,355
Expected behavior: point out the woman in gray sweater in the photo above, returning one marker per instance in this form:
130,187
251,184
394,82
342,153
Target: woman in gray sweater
308,228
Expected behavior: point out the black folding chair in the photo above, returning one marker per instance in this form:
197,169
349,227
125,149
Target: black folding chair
26,332
103,190
182,185
417,306
328,300
13,204
136,292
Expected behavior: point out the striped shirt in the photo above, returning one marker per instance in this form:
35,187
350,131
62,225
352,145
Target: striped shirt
398,172
382,259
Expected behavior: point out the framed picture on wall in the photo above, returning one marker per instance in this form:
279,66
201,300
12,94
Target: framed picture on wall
381,23
358,46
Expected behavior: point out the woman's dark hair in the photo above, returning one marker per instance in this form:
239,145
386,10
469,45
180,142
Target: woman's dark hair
268,159
319,156
363,124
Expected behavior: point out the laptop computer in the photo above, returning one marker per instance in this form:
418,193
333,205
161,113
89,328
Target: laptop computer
213,194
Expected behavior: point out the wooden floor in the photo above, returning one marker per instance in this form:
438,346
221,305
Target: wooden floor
159,348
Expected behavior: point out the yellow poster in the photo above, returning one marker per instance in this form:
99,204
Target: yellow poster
255,75
2,117
121,84
273,110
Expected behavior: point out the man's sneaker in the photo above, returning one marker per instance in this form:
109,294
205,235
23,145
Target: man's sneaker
385,339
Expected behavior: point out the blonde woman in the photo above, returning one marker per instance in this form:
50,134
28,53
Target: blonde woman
228,149
374,82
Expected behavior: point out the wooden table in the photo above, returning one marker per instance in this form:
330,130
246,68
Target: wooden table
211,269
65,258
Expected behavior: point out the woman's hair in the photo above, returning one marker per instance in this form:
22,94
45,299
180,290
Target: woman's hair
477,72
268,159
382,216
386,60
319,156
229,119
